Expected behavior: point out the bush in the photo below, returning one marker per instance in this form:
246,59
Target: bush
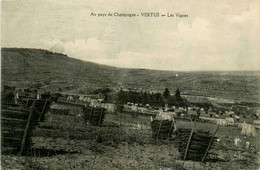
102,90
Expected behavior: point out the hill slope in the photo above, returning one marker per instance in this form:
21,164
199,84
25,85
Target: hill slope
39,68
53,71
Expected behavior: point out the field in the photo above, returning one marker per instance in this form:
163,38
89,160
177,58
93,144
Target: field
59,73
124,141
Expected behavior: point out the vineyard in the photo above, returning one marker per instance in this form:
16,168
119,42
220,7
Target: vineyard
52,116
65,74
64,140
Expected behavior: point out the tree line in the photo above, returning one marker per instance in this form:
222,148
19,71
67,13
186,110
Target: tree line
153,99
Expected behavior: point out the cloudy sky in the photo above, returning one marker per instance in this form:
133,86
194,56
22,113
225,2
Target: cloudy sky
216,35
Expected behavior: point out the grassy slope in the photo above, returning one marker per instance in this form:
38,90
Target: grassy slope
23,67
50,71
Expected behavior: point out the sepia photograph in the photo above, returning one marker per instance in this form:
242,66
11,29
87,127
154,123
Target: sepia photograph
122,85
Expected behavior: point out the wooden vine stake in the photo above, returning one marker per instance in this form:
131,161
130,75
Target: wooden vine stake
26,129
210,143
27,101
91,114
159,130
43,110
101,115
188,144
171,127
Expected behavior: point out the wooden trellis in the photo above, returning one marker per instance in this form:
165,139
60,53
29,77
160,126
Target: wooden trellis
162,129
194,144
17,123
94,115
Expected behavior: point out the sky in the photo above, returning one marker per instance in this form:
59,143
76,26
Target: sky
217,35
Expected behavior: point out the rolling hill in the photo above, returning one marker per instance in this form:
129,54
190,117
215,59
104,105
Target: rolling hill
57,72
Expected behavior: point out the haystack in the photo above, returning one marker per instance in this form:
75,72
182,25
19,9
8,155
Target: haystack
222,122
257,122
248,130
230,121
237,118
164,116
94,103
111,108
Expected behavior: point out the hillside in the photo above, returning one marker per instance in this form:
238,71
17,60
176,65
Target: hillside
58,72
51,71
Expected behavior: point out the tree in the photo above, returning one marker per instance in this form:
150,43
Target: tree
144,98
166,93
106,98
172,101
177,94
121,97
158,99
